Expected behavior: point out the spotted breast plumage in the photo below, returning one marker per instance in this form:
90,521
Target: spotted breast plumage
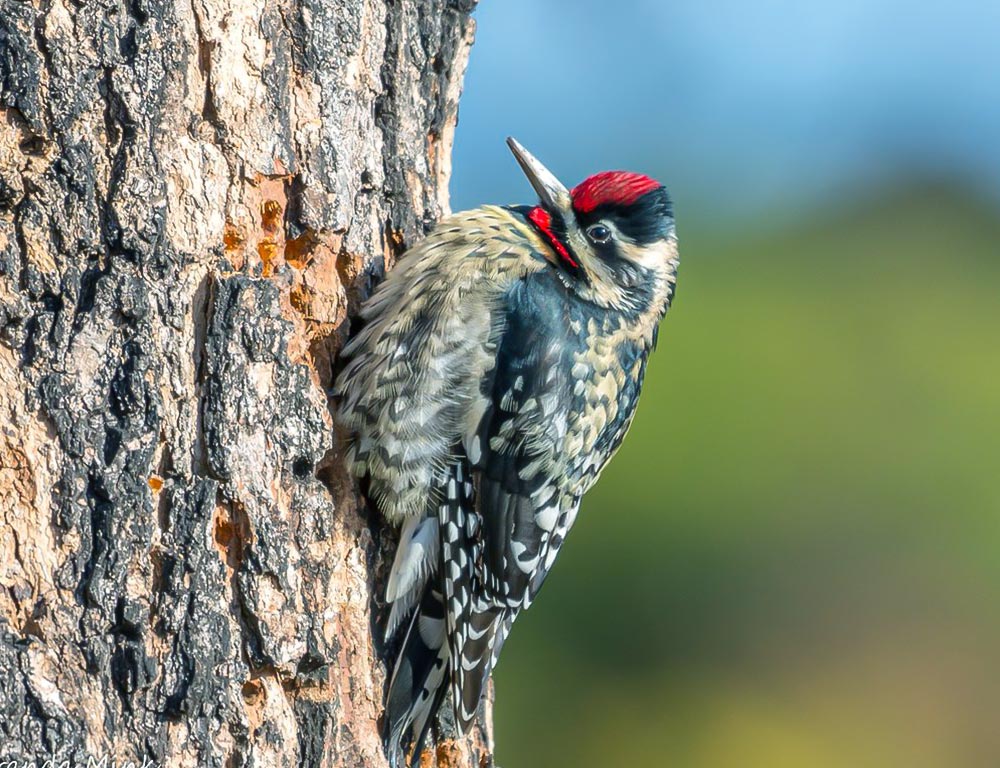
496,373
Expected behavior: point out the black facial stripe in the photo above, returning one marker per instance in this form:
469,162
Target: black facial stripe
648,219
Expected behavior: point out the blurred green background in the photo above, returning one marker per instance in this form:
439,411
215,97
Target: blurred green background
794,560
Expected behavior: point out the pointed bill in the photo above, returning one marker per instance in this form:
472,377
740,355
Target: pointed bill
551,192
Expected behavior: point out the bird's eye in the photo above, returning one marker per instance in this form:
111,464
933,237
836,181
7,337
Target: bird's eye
599,233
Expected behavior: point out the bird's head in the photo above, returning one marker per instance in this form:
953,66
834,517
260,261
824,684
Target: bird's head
612,236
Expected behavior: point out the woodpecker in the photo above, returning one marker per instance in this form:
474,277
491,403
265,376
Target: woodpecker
496,373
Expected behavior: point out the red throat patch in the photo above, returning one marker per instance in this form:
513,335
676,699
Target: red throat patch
543,220
611,188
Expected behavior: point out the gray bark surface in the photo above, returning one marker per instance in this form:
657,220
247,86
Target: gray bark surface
195,195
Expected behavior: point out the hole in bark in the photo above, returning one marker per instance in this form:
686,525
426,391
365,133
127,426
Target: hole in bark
270,216
253,692
302,468
232,532
232,237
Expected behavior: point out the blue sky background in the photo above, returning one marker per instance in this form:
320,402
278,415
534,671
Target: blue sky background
739,108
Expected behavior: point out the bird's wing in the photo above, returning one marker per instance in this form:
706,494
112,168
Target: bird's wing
518,449
502,527
413,382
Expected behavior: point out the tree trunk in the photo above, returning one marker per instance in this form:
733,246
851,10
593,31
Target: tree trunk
194,198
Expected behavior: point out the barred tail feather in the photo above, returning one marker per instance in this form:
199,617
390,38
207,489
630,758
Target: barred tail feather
473,661
475,623
456,631
418,681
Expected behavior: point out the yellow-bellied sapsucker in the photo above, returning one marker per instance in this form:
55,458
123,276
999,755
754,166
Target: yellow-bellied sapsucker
496,374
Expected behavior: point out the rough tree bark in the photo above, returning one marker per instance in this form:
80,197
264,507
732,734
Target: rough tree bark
194,197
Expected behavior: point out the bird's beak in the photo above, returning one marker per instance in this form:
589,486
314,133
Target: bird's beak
551,192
